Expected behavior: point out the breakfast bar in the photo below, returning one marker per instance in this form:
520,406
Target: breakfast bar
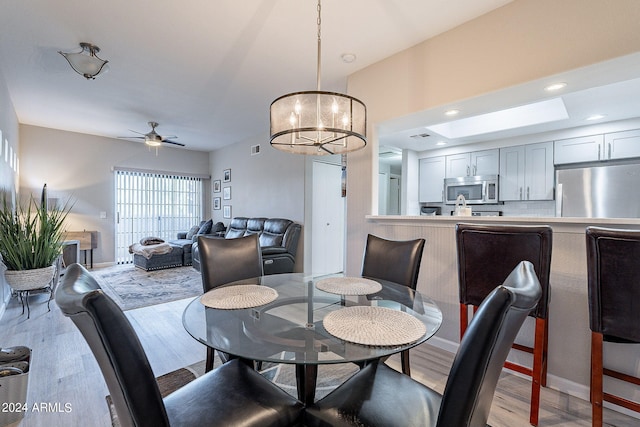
568,308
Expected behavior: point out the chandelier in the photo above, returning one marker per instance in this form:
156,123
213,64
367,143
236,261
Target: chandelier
86,62
316,122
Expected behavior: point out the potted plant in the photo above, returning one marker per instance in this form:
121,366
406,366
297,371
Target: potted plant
31,242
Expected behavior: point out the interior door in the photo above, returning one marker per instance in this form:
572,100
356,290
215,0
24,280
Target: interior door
327,235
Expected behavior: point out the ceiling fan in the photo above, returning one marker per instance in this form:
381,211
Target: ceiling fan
153,139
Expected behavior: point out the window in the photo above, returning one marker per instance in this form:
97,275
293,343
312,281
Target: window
154,204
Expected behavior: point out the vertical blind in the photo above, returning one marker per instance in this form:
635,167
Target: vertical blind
154,204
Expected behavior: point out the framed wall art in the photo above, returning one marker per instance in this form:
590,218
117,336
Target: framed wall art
216,203
226,211
226,176
226,193
216,186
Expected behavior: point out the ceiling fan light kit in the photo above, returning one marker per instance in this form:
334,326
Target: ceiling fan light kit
86,62
316,122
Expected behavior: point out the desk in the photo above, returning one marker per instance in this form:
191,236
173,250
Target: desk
290,329
88,242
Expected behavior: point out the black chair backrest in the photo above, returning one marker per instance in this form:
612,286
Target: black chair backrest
488,253
613,267
227,260
484,348
116,347
395,261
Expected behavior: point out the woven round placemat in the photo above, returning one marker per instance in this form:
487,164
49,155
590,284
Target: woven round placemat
375,326
349,285
239,296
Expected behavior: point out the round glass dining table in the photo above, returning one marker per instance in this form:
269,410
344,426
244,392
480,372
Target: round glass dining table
290,328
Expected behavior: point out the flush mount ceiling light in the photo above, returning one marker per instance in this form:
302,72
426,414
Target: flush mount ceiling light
316,122
86,62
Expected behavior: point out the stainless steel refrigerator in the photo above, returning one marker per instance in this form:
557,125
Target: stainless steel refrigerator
600,191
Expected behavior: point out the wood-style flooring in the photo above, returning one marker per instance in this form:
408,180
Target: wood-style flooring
65,377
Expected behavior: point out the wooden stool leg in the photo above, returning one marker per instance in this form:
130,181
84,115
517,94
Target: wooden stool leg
596,379
536,371
464,319
543,380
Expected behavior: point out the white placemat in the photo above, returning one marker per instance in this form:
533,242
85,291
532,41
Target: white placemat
349,285
238,296
375,326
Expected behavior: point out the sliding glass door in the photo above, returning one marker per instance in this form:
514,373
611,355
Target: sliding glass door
154,204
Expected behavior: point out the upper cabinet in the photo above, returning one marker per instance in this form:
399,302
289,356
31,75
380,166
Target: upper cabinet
623,145
526,172
432,172
617,145
484,162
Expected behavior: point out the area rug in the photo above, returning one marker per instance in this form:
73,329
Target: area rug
132,287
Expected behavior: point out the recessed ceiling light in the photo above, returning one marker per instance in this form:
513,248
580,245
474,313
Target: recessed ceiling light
555,87
451,113
596,117
348,57
441,143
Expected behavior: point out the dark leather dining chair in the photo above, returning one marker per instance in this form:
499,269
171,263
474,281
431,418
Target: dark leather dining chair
395,261
233,394
380,396
486,255
613,273
224,261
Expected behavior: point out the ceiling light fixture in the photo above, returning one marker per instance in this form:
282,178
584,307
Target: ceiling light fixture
86,62
451,113
316,122
596,117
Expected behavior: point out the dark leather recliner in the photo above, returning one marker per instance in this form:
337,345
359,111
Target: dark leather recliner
233,394
278,241
380,396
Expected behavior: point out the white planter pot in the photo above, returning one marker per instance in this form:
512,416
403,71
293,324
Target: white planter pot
25,280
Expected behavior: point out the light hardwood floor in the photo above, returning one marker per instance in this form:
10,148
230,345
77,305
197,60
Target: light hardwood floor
64,371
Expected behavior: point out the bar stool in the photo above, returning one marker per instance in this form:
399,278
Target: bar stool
486,256
396,261
613,273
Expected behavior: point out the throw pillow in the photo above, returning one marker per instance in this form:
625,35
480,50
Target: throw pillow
147,241
206,227
192,232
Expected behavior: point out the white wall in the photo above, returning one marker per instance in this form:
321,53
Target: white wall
8,177
79,167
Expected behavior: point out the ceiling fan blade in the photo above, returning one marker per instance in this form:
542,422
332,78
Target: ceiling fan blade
135,131
130,137
172,142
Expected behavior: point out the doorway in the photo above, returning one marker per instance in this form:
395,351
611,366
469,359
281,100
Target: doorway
328,219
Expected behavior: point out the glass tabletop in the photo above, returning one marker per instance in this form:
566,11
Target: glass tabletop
290,328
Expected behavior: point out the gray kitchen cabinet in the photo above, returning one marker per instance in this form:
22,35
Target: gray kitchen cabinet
610,146
581,149
526,172
485,162
622,145
431,180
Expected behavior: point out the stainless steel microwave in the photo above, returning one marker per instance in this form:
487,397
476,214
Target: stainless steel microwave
476,190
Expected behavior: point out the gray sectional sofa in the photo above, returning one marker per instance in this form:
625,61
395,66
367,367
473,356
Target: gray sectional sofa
278,241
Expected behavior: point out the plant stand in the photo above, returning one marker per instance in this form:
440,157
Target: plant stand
26,282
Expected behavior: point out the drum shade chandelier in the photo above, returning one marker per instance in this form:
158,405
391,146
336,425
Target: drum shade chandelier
316,122
86,62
